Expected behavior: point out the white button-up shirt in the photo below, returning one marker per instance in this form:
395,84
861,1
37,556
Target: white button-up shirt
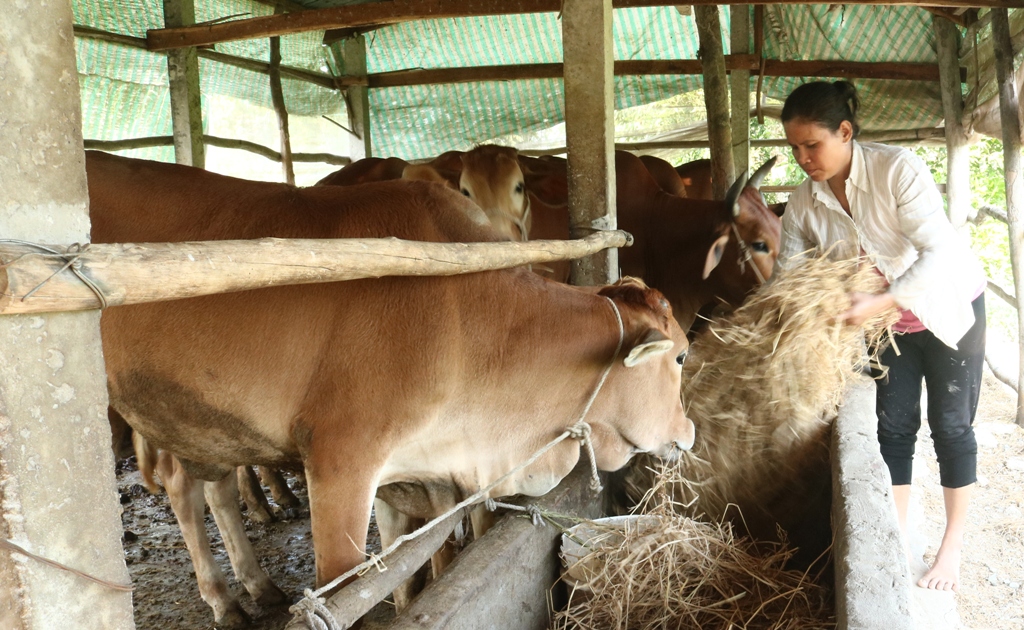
898,221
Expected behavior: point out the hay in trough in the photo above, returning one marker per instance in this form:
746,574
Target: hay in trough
679,573
762,385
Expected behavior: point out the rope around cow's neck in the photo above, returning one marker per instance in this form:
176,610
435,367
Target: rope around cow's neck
311,606
745,255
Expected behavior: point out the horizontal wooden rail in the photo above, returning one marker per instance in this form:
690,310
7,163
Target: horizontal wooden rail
398,11
645,67
37,279
893,136
214,141
254,65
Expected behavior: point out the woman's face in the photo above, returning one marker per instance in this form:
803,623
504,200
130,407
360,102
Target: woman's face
822,153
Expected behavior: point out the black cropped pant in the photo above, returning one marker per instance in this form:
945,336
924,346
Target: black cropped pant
953,379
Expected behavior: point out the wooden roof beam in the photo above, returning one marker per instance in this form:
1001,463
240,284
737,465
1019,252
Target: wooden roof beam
772,68
398,11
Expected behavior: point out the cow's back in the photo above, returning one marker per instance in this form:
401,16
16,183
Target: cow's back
144,201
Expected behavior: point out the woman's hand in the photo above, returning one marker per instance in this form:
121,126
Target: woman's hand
864,306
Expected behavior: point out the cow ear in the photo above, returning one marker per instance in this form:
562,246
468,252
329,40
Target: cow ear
715,255
651,345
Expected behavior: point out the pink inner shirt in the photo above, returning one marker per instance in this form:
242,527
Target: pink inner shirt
908,322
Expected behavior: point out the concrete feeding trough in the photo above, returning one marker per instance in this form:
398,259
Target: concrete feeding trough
505,579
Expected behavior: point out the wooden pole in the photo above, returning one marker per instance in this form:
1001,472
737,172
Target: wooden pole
277,96
375,14
352,60
958,191
33,280
186,99
1012,171
215,141
739,87
590,131
716,98
357,598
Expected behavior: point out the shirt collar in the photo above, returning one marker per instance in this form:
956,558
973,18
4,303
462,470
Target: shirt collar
858,178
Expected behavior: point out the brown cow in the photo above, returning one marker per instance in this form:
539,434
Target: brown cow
667,177
696,179
697,252
374,382
489,175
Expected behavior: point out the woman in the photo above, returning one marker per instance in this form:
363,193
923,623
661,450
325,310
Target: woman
880,202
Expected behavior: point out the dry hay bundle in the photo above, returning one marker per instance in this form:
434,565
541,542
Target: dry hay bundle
679,573
762,385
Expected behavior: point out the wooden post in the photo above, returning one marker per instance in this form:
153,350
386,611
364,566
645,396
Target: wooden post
716,98
277,95
590,131
58,495
739,86
1012,171
958,192
351,58
186,100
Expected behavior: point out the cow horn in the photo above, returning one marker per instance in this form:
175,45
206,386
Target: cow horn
733,196
759,174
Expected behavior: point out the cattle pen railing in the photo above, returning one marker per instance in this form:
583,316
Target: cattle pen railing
38,278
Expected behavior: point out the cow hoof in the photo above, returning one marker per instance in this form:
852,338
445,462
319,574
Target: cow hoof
290,514
235,618
260,515
287,500
272,597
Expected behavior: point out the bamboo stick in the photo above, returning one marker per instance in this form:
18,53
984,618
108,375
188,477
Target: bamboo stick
151,272
214,141
277,96
1003,293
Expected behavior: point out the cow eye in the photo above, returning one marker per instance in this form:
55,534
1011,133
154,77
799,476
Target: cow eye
520,188
465,192
681,357
760,247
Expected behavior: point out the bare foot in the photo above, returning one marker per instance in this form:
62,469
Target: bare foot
945,573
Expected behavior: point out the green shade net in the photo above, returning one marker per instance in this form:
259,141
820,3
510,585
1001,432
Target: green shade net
124,90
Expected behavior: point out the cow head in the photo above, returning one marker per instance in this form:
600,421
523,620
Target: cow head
492,178
640,409
753,244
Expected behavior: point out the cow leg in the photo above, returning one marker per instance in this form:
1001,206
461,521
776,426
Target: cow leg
482,520
222,496
391,524
279,489
340,500
186,495
256,504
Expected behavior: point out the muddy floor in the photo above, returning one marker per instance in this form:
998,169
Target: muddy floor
166,595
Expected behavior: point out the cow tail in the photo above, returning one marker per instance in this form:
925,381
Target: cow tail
146,455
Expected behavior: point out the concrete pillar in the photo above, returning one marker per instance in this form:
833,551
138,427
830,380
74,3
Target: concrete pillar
58,496
958,168
186,102
352,60
590,131
739,87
